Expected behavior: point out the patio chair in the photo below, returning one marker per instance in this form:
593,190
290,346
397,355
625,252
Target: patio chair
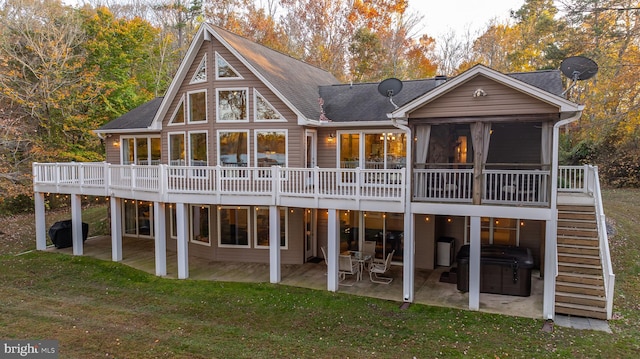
347,266
369,249
381,268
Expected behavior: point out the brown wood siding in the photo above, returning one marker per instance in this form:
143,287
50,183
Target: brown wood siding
425,241
532,236
112,152
500,100
327,151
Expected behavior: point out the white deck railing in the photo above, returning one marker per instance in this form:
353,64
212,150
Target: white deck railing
381,185
521,187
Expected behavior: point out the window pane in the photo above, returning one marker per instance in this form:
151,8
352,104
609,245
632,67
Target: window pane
232,105
224,69
262,227
128,151
198,144
233,149
179,115
374,150
264,110
200,224
197,106
142,151
349,150
234,225
155,151
176,145
145,211
130,217
271,149
396,150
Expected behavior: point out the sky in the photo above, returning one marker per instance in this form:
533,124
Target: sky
441,15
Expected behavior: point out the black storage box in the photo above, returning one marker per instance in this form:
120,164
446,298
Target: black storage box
503,270
61,233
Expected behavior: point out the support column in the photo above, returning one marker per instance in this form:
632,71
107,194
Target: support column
333,249
274,244
474,264
160,236
116,229
550,268
408,272
76,228
182,219
41,230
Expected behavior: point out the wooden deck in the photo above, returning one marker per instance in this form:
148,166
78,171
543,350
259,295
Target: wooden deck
139,254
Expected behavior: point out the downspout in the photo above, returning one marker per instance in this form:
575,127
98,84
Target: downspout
551,245
409,253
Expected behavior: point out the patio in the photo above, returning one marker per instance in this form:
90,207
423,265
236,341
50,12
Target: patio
139,254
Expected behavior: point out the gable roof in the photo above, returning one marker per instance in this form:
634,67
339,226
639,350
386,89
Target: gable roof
537,84
136,119
293,81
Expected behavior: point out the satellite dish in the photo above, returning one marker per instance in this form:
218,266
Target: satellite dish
390,87
578,68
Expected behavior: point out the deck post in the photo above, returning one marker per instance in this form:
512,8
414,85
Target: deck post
274,244
550,268
474,264
116,229
408,269
182,219
160,236
41,230
333,249
76,228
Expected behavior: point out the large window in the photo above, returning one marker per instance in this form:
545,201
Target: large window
232,105
141,150
176,149
386,150
138,218
233,149
387,230
262,227
224,71
233,227
198,106
198,149
264,111
178,114
200,227
271,148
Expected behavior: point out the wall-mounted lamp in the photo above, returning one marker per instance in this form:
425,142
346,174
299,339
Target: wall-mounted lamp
116,143
479,93
331,138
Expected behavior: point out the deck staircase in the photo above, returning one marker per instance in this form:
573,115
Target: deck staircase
580,288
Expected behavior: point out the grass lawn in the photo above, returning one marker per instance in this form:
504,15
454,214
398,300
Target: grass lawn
98,309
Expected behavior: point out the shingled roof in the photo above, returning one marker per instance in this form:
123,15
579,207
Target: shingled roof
363,102
138,118
297,81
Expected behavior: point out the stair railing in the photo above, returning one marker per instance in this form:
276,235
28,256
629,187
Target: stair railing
605,255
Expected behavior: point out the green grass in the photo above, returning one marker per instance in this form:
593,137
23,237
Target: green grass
100,309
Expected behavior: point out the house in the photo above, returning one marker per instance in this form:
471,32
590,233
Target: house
253,156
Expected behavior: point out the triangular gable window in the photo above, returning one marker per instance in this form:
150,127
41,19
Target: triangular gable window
178,115
264,110
201,72
224,70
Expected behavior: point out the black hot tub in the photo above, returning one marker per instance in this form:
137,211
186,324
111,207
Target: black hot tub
503,270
